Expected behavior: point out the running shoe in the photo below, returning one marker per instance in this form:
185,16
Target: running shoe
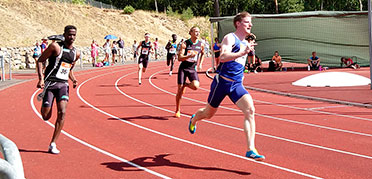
192,128
253,154
170,73
53,148
177,114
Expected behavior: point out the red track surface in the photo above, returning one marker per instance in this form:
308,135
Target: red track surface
121,121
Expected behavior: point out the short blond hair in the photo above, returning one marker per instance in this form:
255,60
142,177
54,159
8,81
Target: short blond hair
240,16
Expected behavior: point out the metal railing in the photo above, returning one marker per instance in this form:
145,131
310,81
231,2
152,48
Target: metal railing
11,166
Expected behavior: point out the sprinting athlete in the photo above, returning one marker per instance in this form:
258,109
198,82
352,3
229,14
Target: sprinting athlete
62,57
228,82
191,51
143,60
171,52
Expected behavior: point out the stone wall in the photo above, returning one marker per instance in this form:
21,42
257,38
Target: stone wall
21,57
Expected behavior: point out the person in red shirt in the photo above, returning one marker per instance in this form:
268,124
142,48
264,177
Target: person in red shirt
349,63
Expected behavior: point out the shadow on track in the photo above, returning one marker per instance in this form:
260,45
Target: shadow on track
160,160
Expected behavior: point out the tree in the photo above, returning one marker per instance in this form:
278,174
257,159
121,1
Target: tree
216,8
276,6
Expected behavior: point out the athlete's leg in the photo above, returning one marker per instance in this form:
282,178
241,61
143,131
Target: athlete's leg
194,85
180,91
61,107
245,103
140,67
204,113
46,113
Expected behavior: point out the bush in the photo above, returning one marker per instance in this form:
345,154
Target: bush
187,14
171,13
128,9
81,2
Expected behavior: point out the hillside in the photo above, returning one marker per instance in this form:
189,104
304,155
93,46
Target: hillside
25,21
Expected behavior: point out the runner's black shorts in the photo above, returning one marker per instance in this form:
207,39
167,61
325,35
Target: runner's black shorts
187,70
57,90
144,59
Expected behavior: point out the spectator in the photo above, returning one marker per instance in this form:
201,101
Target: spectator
114,49
37,52
277,59
257,65
349,63
121,45
251,38
44,45
134,46
156,46
107,49
313,62
217,51
94,52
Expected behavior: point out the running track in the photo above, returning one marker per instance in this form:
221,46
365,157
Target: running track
117,129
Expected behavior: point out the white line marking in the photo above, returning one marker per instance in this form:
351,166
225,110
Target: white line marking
267,135
189,142
90,145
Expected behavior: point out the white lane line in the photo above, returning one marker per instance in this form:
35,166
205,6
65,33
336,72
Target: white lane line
184,140
90,145
267,135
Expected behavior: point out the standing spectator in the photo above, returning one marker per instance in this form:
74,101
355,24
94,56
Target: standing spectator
277,59
251,38
349,63
37,52
156,46
217,50
107,49
44,44
121,45
114,49
134,48
313,62
94,52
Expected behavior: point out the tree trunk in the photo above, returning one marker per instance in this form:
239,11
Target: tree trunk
360,5
276,7
156,6
216,8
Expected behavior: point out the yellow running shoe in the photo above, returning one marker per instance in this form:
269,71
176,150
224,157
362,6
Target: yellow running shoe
177,114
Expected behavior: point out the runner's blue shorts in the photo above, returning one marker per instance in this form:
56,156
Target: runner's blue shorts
220,88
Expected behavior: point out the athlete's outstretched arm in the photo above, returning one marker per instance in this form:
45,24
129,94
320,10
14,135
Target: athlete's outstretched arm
226,48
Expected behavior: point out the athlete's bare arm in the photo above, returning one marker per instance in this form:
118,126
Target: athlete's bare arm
71,74
52,50
181,53
226,47
201,59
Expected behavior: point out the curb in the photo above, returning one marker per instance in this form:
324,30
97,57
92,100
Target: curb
301,96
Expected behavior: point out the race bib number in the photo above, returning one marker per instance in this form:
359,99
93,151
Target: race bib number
192,59
145,51
172,50
63,71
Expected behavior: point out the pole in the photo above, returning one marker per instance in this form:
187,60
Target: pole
10,67
370,40
2,67
212,47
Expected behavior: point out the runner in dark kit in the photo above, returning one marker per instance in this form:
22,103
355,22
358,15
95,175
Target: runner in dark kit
192,51
172,51
62,57
143,60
